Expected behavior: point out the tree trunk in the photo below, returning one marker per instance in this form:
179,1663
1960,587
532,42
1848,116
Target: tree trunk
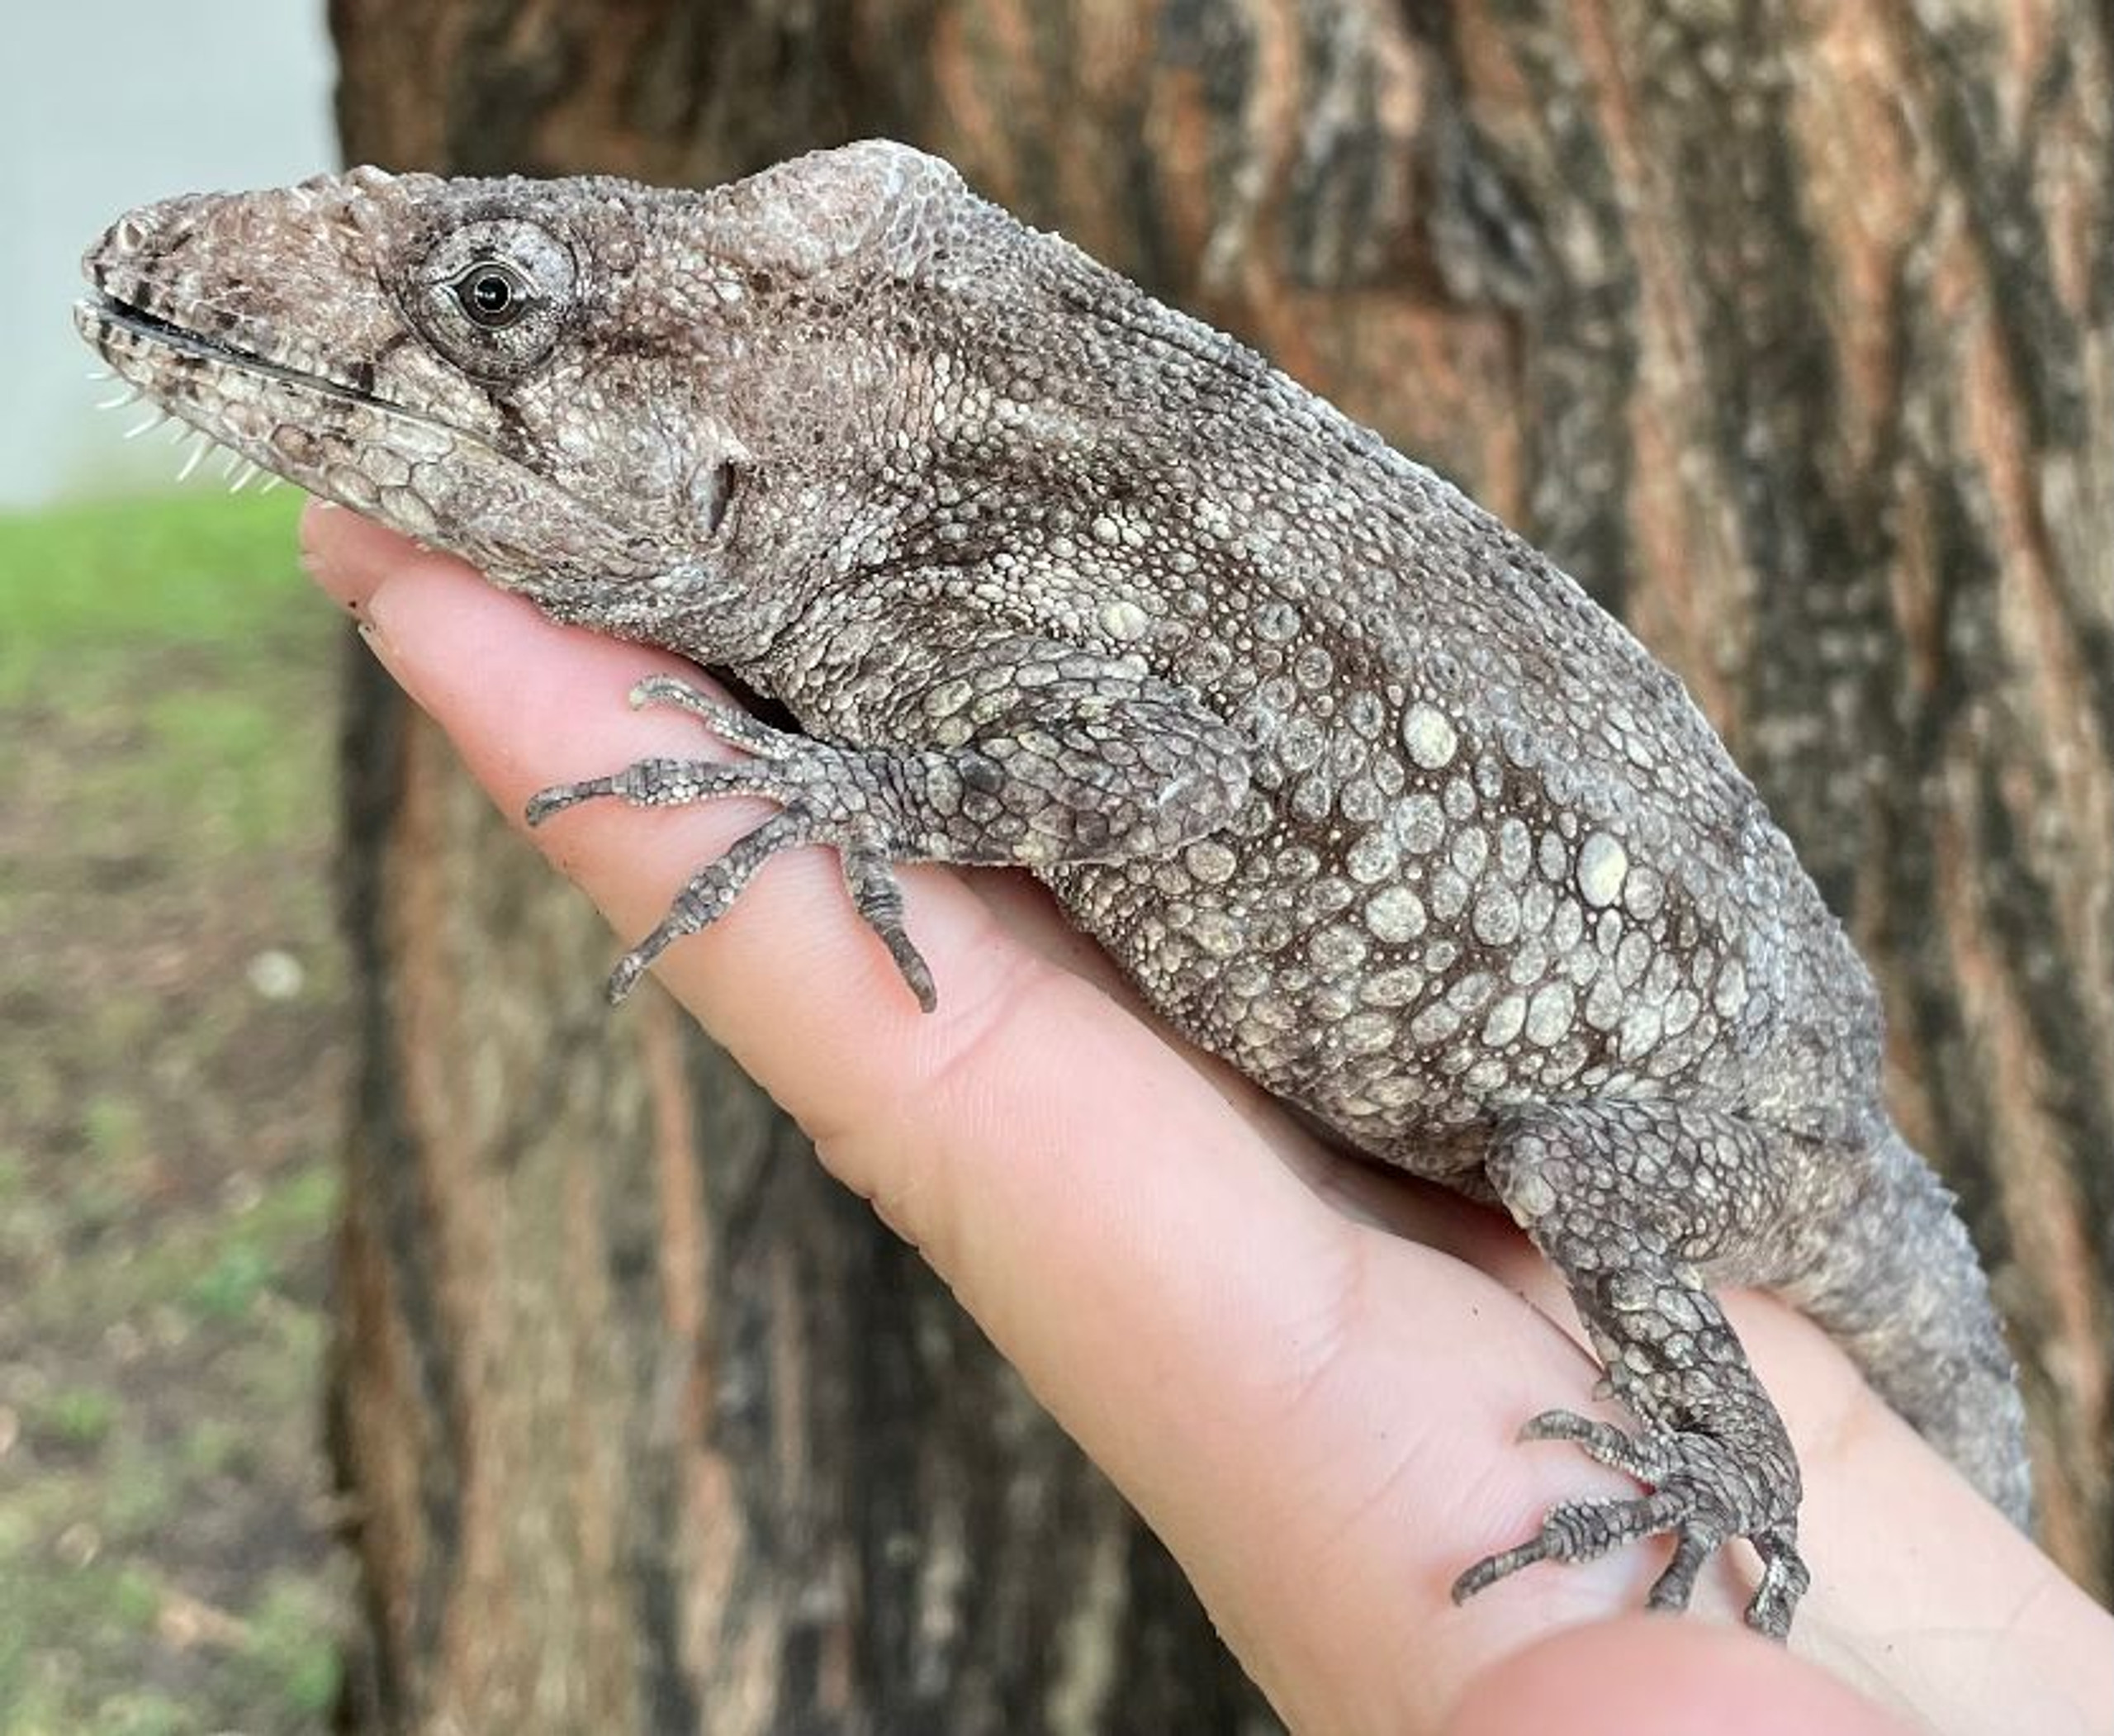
1787,326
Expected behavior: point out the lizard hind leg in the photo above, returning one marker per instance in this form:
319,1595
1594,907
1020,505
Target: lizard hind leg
1621,1198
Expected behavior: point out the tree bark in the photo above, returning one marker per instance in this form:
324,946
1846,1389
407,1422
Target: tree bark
1787,326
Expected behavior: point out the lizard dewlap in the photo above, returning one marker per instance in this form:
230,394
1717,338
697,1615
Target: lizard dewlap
1365,796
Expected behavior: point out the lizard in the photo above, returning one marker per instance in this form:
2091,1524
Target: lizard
1363,794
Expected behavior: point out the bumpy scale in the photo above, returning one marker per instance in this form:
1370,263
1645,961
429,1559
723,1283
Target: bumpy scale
1364,794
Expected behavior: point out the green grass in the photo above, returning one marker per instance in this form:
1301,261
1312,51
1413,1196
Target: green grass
167,698
85,583
79,1417
175,618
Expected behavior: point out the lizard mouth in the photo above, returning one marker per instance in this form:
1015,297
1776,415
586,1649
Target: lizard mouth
127,333
331,433
102,316
323,431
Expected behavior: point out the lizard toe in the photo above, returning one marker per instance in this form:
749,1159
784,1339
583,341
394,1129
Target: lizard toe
1704,1490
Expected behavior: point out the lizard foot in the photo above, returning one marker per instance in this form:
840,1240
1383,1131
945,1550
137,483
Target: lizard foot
824,795
1702,1490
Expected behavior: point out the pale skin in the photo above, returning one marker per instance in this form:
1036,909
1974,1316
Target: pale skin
1305,1373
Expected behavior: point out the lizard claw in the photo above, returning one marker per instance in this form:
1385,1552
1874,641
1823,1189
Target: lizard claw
711,892
1699,1494
709,895
729,723
820,798
559,797
878,896
653,783
1573,1531
630,969
1600,1440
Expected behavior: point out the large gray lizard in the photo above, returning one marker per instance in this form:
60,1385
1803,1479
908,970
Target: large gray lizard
1365,796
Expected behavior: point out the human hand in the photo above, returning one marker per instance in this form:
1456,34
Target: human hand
1307,1375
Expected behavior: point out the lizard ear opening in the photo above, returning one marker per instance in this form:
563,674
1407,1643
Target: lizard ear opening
711,492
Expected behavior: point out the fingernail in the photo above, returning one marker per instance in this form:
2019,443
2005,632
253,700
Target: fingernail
316,561
322,558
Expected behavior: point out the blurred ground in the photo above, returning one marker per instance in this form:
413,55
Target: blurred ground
171,1064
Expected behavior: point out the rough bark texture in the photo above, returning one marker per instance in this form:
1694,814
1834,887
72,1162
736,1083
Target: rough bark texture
1787,326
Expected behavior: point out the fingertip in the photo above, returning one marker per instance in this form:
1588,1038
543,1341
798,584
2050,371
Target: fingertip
351,558
324,554
1661,1674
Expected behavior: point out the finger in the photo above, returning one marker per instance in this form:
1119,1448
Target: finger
1222,1341
1648,1677
529,702
1188,1306
352,558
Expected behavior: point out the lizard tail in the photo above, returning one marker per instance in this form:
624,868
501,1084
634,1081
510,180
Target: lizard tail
1899,1286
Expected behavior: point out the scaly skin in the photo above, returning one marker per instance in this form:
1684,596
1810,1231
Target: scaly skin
1365,796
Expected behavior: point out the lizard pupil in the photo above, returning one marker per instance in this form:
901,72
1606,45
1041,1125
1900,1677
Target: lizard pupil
492,296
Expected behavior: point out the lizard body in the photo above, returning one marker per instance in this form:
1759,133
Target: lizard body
1366,796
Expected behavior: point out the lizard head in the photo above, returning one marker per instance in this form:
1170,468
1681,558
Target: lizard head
577,385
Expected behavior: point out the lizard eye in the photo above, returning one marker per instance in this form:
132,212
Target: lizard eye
493,294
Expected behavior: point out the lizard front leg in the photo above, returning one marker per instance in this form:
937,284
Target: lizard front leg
1592,1183
1072,758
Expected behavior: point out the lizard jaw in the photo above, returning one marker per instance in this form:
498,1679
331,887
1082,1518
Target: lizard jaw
335,438
316,431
